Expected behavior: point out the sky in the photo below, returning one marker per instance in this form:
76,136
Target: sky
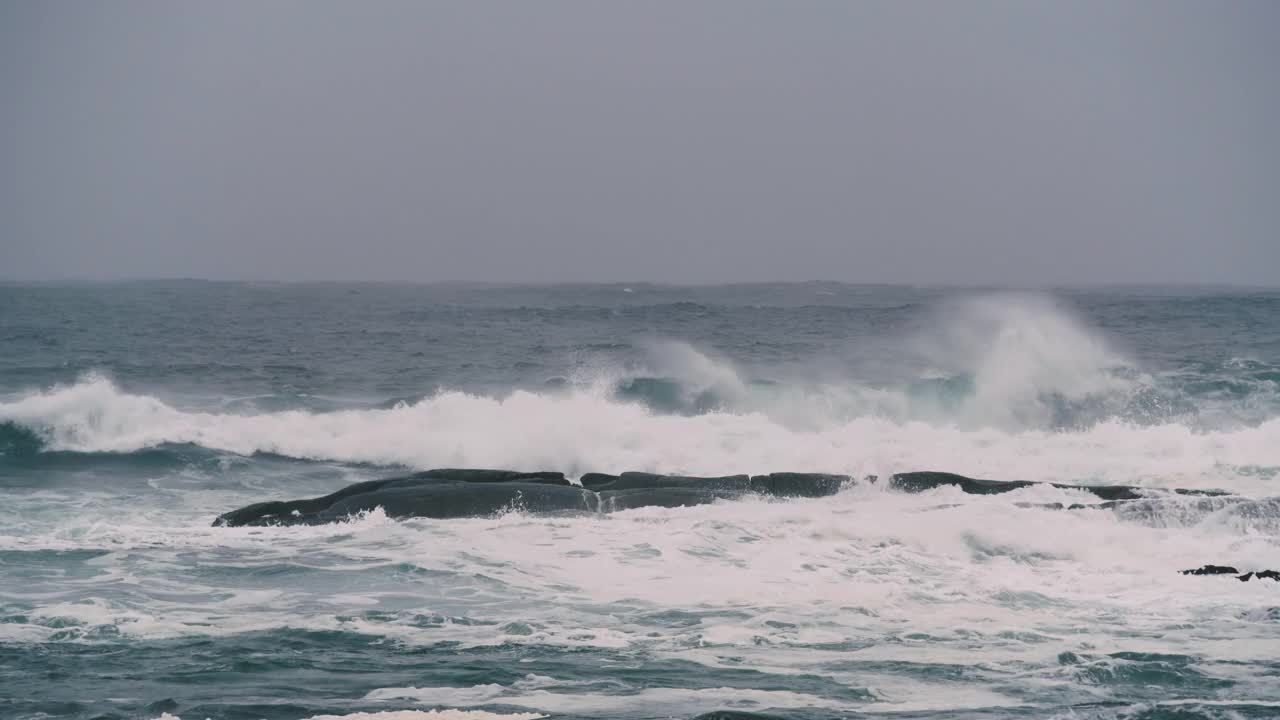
1007,143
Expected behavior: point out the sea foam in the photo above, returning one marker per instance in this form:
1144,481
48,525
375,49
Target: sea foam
578,432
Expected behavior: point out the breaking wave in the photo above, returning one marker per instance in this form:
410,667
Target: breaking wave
577,431
1004,386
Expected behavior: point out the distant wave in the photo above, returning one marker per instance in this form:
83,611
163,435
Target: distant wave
1012,362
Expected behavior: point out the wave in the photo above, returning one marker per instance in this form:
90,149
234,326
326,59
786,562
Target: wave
1000,386
18,440
576,431
1013,362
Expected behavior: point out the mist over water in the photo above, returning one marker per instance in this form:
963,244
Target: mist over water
131,415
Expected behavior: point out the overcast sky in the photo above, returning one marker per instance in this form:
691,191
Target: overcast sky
923,142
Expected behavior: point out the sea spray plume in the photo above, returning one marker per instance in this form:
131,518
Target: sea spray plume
696,369
670,376
1013,361
1030,360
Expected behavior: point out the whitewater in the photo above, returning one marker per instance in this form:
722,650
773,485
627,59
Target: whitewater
132,415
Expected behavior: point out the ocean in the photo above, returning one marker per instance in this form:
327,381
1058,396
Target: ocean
133,414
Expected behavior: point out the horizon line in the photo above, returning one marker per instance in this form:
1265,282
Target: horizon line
82,280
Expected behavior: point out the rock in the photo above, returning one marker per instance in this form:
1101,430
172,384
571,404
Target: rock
1212,570
451,493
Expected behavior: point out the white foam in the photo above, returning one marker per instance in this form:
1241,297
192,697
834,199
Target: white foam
553,696
585,431
933,562
413,715
681,700
808,587
432,715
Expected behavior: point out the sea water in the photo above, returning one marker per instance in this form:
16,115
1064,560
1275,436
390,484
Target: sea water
132,414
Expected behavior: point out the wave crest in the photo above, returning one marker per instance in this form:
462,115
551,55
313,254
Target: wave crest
575,431
1008,361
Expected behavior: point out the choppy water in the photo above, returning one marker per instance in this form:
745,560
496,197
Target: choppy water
131,415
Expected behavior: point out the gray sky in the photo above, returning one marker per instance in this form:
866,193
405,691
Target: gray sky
956,142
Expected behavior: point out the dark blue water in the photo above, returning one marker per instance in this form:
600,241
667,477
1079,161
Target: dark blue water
133,414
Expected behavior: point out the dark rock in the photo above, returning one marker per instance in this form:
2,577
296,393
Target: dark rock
739,484
442,493
1212,570
1228,570
915,482
921,481
786,484
451,493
